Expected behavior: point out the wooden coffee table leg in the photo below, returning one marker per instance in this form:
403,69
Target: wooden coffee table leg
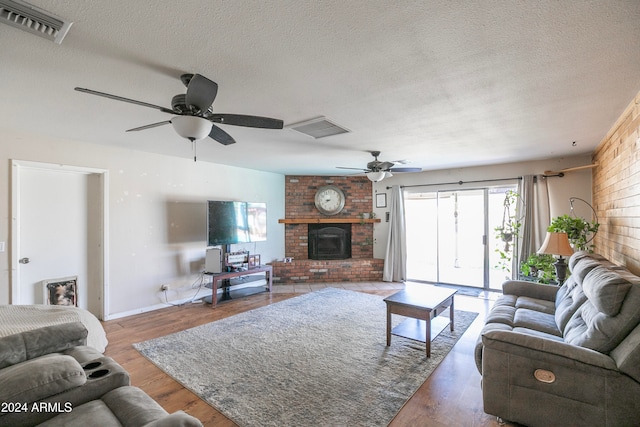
451,315
388,326
428,331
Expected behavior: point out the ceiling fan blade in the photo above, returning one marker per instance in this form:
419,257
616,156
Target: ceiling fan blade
152,125
353,169
120,98
221,136
405,170
247,121
201,92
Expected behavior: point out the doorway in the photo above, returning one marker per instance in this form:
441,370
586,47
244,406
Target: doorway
59,231
451,237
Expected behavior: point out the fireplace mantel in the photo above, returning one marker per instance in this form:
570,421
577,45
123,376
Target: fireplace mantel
327,220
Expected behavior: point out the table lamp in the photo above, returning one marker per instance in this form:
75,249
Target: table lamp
557,244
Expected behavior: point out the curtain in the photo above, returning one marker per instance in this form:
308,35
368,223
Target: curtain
395,260
535,215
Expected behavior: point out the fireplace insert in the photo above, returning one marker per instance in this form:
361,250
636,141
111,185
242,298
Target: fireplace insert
329,241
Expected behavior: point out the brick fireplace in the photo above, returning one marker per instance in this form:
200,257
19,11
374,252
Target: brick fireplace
300,212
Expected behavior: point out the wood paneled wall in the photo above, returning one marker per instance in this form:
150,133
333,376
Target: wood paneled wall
616,190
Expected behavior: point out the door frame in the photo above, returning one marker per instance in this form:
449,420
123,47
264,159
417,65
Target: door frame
16,167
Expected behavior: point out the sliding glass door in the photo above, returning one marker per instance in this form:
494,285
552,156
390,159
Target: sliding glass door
451,237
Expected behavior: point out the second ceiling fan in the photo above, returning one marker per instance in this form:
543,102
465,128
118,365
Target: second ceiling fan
378,170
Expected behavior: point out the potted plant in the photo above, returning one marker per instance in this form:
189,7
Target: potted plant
579,231
539,268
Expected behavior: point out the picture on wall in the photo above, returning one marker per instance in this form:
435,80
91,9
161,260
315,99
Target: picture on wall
62,291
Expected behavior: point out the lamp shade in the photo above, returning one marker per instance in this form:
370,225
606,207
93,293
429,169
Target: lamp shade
375,176
191,127
556,244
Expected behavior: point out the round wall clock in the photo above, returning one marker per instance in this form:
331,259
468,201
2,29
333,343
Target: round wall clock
329,200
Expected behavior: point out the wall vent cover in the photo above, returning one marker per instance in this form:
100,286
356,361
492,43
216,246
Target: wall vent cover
317,128
29,18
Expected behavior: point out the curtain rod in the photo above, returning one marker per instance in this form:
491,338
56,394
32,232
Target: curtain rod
459,182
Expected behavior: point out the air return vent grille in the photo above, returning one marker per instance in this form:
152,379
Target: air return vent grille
29,18
319,127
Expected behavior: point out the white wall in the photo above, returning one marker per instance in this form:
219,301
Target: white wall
573,184
156,214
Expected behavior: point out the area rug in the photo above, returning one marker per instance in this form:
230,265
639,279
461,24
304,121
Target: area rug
319,359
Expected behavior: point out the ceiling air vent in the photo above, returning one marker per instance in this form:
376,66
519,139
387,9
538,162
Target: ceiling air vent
319,127
22,15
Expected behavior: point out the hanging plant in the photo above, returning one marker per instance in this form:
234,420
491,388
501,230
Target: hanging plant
509,230
579,231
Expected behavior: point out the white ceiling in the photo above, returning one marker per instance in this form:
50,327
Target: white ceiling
441,83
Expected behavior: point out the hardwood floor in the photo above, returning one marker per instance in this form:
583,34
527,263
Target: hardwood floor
451,396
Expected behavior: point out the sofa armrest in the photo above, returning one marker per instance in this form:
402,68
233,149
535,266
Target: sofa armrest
37,342
523,344
40,378
522,288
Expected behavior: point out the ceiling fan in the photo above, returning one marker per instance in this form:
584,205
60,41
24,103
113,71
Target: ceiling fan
376,170
194,118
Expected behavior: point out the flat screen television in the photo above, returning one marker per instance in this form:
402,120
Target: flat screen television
235,222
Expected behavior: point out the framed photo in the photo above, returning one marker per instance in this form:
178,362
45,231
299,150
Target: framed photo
63,291
254,261
381,200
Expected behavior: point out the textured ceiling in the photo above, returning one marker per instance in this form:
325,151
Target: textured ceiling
440,83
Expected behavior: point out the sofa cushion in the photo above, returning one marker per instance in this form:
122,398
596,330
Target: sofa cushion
606,289
591,328
582,255
40,378
123,407
94,413
534,304
501,313
532,319
567,305
582,268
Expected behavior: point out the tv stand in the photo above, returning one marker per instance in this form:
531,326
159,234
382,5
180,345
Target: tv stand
216,278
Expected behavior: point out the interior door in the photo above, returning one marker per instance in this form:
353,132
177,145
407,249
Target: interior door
58,234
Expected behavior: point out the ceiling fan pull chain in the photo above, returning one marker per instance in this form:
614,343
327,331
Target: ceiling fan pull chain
193,147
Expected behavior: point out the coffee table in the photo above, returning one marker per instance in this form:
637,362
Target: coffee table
421,303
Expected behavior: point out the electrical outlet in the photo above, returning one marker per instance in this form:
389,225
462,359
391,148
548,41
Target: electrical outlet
164,287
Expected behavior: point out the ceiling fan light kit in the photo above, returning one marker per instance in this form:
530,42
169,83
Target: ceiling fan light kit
191,127
377,176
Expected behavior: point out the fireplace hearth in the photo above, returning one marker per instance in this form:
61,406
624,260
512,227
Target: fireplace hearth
329,241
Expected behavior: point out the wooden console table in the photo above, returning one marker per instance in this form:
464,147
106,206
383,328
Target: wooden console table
217,277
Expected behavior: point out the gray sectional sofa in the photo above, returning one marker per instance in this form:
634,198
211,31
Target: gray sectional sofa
565,356
49,377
